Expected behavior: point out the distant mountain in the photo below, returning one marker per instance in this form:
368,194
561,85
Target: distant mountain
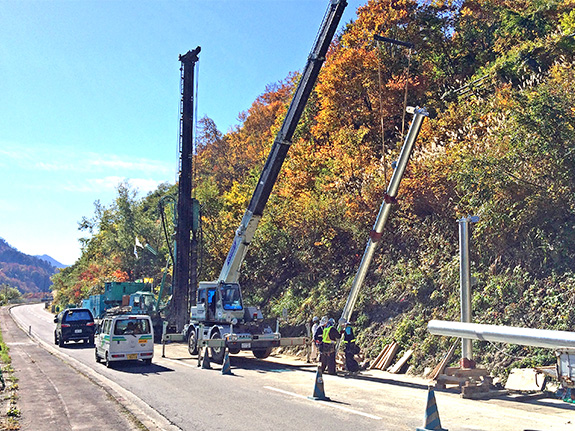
51,261
27,273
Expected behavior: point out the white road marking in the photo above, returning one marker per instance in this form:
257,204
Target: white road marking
336,406
185,364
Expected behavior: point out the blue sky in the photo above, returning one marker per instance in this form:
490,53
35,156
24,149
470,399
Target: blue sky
89,96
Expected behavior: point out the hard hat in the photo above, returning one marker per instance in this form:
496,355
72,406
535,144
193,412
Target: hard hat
323,320
342,321
315,319
331,322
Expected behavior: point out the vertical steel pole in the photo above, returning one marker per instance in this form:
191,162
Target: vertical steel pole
465,282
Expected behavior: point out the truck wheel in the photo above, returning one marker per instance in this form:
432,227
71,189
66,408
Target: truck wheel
193,342
262,353
98,359
217,354
234,351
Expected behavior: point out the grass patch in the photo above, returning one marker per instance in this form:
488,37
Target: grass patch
9,411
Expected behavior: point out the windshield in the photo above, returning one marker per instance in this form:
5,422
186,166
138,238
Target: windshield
132,326
231,297
78,315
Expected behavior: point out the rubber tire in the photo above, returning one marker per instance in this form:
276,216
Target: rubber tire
55,338
262,353
234,351
90,341
217,354
98,359
107,361
148,361
192,342
60,342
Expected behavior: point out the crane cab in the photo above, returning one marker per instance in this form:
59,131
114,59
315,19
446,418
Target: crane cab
218,302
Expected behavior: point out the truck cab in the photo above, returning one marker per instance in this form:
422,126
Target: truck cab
218,303
220,314
143,303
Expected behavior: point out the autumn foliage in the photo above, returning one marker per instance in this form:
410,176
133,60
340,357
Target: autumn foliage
497,78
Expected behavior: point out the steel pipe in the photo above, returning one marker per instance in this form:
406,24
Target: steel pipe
504,334
419,115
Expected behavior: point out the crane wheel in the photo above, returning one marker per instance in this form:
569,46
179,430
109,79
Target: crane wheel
193,342
217,353
262,353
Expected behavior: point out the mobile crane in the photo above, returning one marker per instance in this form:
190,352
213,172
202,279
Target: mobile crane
220,313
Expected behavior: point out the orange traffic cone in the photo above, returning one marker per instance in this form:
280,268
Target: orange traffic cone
431,421
318,392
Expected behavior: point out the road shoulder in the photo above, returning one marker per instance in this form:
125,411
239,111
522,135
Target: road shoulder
58,392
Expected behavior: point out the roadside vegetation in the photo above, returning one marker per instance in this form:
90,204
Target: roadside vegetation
9,412
497,77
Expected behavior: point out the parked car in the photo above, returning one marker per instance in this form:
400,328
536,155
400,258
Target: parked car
74,324
125,338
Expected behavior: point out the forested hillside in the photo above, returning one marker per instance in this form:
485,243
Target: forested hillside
497,77
28,274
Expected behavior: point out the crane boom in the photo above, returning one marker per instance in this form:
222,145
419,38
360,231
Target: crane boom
231,269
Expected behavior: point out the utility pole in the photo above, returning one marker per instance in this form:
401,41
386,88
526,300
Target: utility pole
182,265
465,287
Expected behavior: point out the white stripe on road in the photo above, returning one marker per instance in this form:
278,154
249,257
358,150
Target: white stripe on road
174,361
337,406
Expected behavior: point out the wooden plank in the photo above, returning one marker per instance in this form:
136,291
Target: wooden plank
466,372
443,363
384,354
390,356
378,358
399,364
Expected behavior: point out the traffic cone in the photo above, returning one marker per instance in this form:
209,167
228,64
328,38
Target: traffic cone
206,360
431,421
226,367
318,392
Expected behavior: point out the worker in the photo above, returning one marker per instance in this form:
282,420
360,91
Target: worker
329,339
314,353
318,333
349,346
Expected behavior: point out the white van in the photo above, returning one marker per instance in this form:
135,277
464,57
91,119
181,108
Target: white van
124,338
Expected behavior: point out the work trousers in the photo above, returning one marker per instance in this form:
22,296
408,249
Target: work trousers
327,361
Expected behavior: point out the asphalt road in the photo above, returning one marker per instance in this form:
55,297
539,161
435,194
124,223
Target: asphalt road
173,393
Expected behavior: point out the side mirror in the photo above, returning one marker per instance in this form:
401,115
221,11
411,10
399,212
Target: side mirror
55,319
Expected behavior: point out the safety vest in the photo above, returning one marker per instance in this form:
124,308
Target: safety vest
348,331
326,339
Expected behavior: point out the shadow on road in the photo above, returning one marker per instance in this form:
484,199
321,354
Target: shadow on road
133,367
74,345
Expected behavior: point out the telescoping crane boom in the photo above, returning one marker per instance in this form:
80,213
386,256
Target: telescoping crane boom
219,309
231,269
